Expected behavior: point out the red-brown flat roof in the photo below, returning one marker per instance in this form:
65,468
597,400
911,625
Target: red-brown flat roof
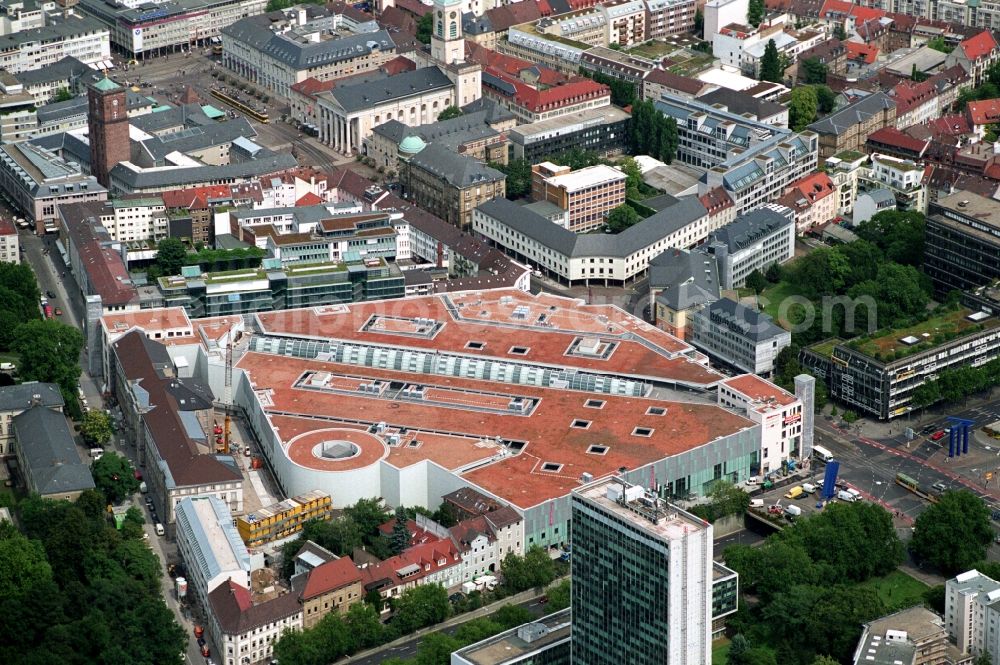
758,389
455,437
546,325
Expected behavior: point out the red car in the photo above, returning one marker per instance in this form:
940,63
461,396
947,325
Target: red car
48,311
938,435
204,651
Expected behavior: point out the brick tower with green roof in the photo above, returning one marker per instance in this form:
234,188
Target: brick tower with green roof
107,119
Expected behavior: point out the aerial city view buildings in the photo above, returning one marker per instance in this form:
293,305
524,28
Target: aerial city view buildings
482,332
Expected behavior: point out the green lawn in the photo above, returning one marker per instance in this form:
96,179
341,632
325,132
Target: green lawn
720,649
774,296
653,50
898,590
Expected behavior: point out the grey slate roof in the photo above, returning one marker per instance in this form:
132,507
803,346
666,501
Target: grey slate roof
742,103
67,69
455,169
685,278
47,448
267,162
197,138
13,398
185,115
749,323
366,95
839,122
748,228
620,245
476,25
494,112
451,133
55,32
55,111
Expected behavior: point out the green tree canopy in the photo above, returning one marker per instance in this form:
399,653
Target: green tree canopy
652,133
50,352
421,606
756,281
755,12
424,28
899,234
559,596
954,533
399,540
96,427
826,99
450,112
518,181
63,95
113,475
770,64
802,107
814,71
622,218
170,256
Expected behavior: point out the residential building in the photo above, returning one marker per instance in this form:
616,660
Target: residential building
283,519
915,636
916,103
850,127
905,179
602,130
983,113
665,18
625,21
433,562
587,194
245,631
681,282
720,13
39,182
18,115
141,33
545,642
659,558
844,170
870,203
47,457
779,414
891,141
282,48
574,258
738,336
742,47
754,241
126,219
970,613
44,84
533,44
333,586
160,414
616,64
962,248
975,55
662,82
10,250
813,199
721,209
448,184
210,546
36,48
533,103
831,53
17,16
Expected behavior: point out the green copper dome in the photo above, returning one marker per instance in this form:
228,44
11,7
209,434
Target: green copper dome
106,85
412,145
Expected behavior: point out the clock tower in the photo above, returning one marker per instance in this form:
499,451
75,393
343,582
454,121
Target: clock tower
447,42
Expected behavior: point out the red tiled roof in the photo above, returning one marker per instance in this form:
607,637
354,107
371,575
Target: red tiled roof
428,557
398,65
691,86
194,197
715,200
415,7
890,136
950,125
908,95
834,8
978,46
510,65
984,112
7,227
535,99
312,86
813,187
330,576
308,199
501,18
867,53
760,389
237,615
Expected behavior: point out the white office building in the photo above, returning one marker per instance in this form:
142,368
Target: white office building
971,613
778,412
753,242
720,13
210,546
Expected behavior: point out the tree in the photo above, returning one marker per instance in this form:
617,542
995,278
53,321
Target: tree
738,649
63,95
50,352
622,92
113,475
774,273
450,112
938,44
512,616
622,218
559,596
728,499
802,107
400,538
755,12
756,281
445,515
170,256
633,177
826,99
954,533
899,234
436,649
839,32
518,172
652,133
96,428
770,64
699,22
916,75
420,606
984,659
424,27
825,660
814,71
369,515
18,299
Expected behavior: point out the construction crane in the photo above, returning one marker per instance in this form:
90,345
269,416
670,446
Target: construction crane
227,399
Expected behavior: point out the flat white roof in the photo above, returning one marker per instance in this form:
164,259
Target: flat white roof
587,177
727,79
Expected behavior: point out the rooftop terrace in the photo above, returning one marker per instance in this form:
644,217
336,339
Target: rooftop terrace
895,344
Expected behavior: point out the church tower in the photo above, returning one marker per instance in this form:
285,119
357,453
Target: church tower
447,42
108,129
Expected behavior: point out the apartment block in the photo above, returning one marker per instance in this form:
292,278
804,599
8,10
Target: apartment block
971,614
9,246
850,127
